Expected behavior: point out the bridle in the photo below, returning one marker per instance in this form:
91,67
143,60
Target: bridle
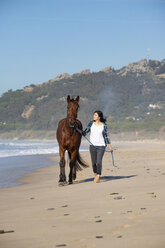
72,117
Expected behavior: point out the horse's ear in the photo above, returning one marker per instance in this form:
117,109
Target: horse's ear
68,98
77,98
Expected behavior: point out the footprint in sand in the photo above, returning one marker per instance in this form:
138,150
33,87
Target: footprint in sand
64,206
99,237
129,211
97,221
119,198
3,231
50,209
61,245
152,194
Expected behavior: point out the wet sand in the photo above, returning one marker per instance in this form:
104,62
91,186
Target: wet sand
125,210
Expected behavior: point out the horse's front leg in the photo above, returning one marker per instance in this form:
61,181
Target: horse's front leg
72,166
62,177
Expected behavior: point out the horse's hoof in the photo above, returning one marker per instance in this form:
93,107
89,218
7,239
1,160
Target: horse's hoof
70,182
62,183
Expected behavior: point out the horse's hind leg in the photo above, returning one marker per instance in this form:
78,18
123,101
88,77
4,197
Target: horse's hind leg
62,177
74,167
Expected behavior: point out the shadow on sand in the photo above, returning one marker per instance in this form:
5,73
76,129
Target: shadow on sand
106,178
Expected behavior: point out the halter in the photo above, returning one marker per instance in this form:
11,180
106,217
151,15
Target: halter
75,118
74,123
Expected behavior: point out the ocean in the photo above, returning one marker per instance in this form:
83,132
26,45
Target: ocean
20,157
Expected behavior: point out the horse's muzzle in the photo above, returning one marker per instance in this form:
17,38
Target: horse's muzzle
72,123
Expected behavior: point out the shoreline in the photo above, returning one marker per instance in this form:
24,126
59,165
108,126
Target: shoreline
125,210
12,166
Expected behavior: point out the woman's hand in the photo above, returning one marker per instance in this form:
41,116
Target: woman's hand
110,147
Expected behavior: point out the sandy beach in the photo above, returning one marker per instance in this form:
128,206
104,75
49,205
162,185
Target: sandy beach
125,210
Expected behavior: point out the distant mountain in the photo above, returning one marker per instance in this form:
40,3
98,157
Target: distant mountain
133,94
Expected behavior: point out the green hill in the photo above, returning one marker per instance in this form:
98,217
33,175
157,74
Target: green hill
132,98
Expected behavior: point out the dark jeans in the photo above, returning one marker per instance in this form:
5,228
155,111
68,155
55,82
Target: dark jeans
96,158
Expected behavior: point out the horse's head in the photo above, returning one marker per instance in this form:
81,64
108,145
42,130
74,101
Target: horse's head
72,110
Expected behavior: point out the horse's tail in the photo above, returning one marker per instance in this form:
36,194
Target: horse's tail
79,162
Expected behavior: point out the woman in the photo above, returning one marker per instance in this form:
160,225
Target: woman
99,140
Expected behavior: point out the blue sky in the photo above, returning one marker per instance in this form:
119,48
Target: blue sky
40,39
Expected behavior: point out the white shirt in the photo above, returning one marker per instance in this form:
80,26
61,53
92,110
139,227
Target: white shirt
96,135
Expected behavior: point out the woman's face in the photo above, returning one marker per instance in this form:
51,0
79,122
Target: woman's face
96,117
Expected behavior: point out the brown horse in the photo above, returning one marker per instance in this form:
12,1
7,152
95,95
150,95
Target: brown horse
69,139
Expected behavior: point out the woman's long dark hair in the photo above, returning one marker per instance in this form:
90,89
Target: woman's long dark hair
100,114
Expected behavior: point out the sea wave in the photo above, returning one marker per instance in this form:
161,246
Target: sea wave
21,148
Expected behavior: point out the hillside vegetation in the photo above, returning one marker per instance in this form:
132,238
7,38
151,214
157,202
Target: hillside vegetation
132,98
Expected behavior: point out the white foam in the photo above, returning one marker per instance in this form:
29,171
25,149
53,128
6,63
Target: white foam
21,148
29,152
